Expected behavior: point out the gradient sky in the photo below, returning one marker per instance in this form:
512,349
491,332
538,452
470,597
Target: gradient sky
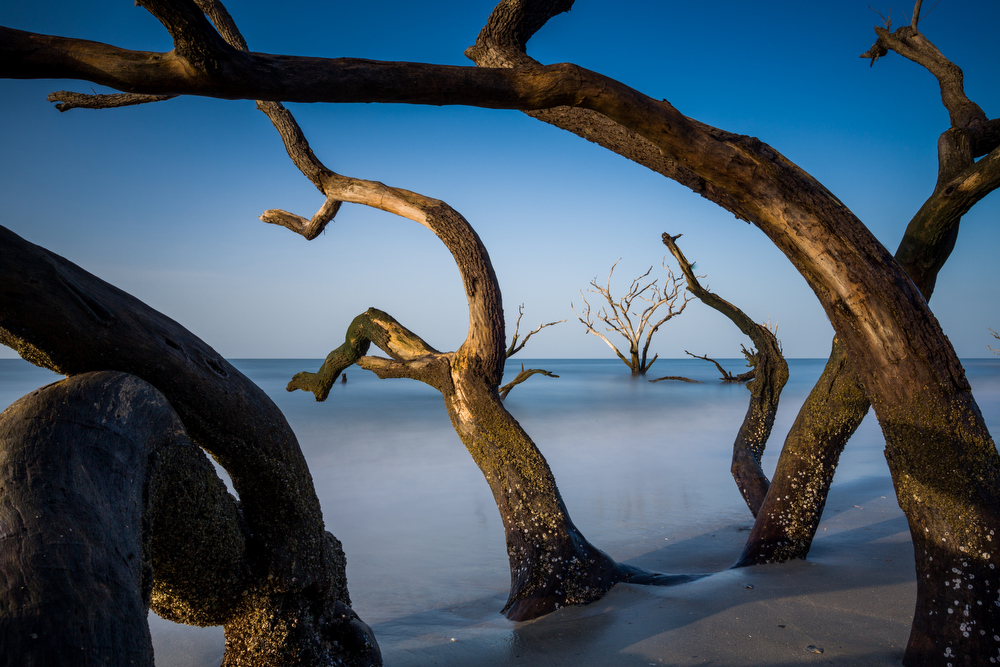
162,200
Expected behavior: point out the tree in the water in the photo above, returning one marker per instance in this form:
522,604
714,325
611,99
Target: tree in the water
944,464
632,314
770,373
516,347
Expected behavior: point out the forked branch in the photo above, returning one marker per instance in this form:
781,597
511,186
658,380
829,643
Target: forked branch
726,375
521,377
617,314
514,348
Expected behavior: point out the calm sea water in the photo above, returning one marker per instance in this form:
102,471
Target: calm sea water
639,464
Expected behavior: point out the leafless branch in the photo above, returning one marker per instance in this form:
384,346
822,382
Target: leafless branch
617,314
678,378
514,348
726,375
521,377
68,100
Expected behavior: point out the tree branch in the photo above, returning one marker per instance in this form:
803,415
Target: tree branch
770,376
908,42
69,100
514,348
375,326
726,375
521,377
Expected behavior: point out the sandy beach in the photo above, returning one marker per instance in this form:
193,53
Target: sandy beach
849,604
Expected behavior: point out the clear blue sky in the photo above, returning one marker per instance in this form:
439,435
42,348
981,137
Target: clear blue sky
162,200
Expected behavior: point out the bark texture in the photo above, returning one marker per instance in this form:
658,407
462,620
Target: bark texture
770,375
75,570
944,464
839,402
291,607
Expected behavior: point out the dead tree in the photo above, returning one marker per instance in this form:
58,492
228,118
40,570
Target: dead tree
944,463
514,348
281,590
551,563
840,400
770,375
619,319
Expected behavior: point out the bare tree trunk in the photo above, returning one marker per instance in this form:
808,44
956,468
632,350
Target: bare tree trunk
770,376
75,574
838,403
944,464
291,606
552,564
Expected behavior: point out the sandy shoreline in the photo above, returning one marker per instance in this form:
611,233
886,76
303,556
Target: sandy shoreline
853,600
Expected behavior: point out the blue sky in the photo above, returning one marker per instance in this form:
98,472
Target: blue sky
162,200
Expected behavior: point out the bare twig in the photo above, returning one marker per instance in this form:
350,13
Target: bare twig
617,314
726,375
514,348
521,377
678,378
68,100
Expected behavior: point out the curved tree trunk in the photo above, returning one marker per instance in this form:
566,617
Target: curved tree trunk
75,573
552,564
770,375
291,607
944,464
791,511
838,403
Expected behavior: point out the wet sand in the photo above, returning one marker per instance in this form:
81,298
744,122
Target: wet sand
849,604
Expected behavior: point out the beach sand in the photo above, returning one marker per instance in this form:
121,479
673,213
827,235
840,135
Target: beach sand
849,604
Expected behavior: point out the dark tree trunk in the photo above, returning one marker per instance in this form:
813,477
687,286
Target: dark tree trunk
75,574
791,511
291,606
839,402
84,463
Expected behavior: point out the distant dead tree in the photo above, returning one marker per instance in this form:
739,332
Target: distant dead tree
619,316
514,348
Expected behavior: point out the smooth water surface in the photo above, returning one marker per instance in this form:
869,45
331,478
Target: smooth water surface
643,468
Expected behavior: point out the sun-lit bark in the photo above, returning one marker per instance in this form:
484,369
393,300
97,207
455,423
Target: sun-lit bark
944,464
770,376
839,402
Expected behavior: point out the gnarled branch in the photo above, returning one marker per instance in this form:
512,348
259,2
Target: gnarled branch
770,376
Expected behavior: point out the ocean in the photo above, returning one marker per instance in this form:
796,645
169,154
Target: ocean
643,468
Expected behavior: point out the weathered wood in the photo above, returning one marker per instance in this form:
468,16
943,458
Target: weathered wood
59,316
770,375
839,402
76,461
